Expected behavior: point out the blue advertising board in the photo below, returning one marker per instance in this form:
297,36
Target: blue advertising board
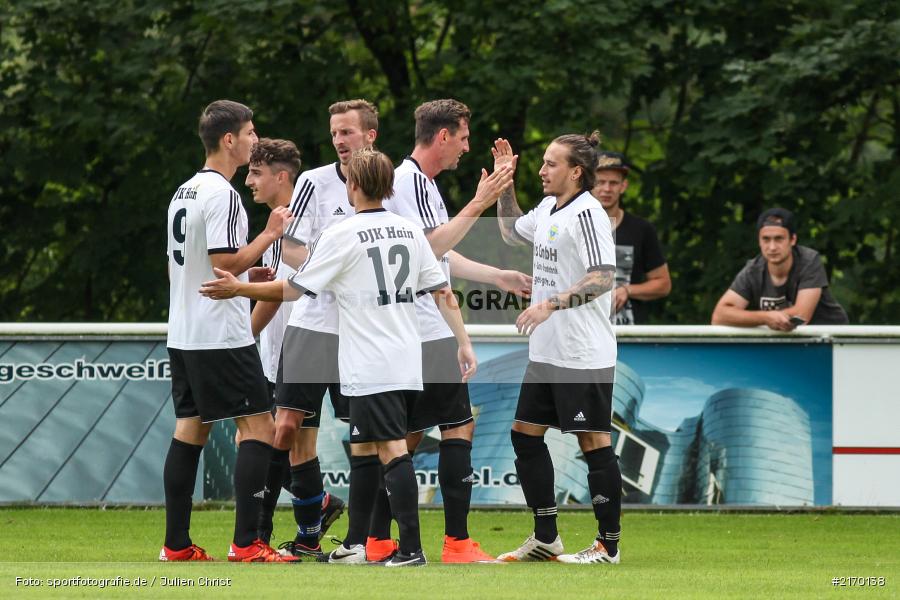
694,423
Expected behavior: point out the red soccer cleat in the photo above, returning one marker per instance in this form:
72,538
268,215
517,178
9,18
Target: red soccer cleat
464,551
192,552
380,550
258,551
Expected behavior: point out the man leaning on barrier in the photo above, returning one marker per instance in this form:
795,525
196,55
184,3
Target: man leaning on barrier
783,287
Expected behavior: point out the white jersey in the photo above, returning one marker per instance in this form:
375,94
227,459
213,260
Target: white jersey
205,217
375,263
568,243
416,198
320,200
272,335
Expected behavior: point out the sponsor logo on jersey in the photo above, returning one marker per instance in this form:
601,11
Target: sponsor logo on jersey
338,211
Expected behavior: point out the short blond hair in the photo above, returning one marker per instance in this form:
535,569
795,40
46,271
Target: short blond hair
373,172
368,114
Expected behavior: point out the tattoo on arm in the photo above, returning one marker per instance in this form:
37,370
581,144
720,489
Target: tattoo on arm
589,288
507,212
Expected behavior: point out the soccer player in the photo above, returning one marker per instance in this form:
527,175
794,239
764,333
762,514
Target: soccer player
216,369
274,166
442,137
572,348
642,274
375,263
310,350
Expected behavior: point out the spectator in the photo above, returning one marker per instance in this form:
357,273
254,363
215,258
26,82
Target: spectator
641,270
782,285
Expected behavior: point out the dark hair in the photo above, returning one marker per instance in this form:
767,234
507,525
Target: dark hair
582,153
219,118
373,172
368,114
433,116
280,155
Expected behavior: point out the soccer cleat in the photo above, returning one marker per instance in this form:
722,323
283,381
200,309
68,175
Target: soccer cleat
332,508
380,550
533,550
295,548
192,552
595,553
258,551
354,555
416,559
464,551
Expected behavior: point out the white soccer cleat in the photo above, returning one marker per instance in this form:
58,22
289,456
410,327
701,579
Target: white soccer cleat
354,555
533,550
595,553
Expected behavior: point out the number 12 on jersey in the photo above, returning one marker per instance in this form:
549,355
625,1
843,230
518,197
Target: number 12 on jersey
403,294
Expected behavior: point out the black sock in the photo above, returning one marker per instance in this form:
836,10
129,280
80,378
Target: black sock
455,477
179,479
306,486
286,482
250,472
277,468
380,524
403,493
605,485
535,470
365,471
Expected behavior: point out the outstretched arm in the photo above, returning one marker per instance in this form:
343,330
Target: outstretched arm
507,280
228,286
447,236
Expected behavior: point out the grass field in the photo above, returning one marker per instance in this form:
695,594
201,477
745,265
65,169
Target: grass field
665,555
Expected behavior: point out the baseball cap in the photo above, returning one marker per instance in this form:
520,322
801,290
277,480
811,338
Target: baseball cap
607,159
779,217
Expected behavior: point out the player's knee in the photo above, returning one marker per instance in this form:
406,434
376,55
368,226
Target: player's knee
466,431
526,446
592,440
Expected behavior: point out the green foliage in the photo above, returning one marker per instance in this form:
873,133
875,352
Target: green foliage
726,108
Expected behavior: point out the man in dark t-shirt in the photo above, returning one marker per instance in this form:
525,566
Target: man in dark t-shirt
641,270
784,286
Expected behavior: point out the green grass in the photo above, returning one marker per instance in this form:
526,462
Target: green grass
670,555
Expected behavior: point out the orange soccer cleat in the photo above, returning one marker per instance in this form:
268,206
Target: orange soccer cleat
380,550
464,551
192,552
258,551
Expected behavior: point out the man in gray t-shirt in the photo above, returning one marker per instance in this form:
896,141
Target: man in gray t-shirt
784,286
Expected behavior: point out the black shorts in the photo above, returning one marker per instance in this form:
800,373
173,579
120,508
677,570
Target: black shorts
444,401
380,417
218,384
307,368
566,399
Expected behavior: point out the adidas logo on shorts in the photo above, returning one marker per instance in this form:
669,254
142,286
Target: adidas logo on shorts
470,478
261,494
338,211
580,417
355,431
599,499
